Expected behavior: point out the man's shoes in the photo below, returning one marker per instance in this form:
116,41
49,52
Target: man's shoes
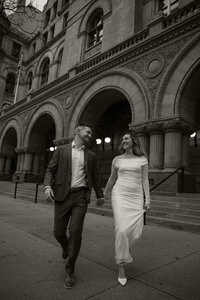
64,254
69,280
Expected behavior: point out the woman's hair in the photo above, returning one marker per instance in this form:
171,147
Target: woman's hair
137,149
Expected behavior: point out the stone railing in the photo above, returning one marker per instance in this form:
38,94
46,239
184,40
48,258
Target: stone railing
182,14
137,38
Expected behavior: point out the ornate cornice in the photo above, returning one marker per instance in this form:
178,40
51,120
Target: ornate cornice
163,126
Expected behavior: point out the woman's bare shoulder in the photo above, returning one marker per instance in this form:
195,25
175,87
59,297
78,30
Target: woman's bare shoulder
116,158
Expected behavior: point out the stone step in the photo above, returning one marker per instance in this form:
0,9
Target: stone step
175,224
155,220
174,216
176,205
177,210
176,199
167,210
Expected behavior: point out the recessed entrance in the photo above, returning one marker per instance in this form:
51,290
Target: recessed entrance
109,114
41,141
9,155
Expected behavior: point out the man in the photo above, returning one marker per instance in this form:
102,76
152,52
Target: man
68,181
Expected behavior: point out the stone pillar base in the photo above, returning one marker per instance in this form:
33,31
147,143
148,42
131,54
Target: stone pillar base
172,184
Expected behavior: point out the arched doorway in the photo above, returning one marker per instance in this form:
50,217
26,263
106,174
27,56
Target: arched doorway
8,154
109,114
190,110
41,145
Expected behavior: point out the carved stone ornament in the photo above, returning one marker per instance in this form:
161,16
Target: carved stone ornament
154,66
161,126
25,116
178,124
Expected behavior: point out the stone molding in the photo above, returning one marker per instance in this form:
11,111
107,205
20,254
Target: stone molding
162,126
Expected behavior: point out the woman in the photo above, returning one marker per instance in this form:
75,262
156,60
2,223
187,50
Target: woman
127,187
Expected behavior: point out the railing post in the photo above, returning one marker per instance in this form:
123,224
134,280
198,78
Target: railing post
182,179
15,193
145,218
36,192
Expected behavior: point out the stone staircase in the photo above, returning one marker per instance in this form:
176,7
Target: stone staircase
178,211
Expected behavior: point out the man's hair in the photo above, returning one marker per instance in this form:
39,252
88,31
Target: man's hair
80,127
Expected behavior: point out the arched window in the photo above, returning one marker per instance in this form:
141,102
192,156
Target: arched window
59,63
95,28
10,83
29,81
44,71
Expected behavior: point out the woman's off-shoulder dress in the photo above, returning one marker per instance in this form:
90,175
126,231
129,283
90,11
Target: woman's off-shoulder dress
127,203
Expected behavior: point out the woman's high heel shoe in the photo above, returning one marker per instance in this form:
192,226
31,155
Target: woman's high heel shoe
122,281
122,277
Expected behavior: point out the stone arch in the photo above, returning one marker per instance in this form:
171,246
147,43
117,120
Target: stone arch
30,69
51,108
105,5
17,125
59,48
168,97
48,55
123,80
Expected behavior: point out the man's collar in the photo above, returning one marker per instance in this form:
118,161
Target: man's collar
74,146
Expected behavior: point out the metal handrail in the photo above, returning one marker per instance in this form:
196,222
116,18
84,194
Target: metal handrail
170,175
163,180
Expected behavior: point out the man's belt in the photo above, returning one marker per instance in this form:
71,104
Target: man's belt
77,189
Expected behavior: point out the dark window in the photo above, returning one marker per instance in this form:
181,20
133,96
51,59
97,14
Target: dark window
65,2
34,47
95,28
1,37
16,50
30,80
45,38
54,11
52,31
47,18
169,6
59,63
65,20
45,72
10,83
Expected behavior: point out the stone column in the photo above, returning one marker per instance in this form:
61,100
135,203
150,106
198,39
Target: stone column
19,156
173,150
156,155
177,133
185,154
36,162
28,161
142,134
173,144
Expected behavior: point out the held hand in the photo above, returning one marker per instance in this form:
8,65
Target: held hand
107,197
48,193
146,207
100,202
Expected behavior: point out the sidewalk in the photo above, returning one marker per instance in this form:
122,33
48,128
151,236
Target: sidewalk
166,265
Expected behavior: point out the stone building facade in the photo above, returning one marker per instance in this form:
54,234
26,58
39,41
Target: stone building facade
112,64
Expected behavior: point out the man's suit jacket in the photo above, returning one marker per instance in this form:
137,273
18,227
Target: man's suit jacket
59,172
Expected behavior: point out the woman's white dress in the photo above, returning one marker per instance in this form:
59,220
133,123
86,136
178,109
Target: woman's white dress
127,203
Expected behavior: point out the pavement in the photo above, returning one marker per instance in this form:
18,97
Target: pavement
166,261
